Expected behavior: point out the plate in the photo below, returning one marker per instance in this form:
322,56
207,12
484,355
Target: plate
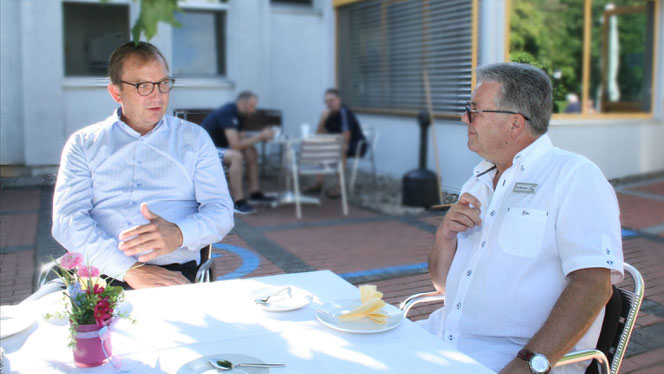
328,315
299,299
202,366
14,319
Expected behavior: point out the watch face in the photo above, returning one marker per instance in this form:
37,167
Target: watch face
539,363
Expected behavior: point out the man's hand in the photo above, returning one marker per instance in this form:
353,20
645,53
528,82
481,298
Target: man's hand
462,216
160,236
146,276
266,134
516,366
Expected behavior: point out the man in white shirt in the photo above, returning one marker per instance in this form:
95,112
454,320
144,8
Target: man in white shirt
141,187
527,255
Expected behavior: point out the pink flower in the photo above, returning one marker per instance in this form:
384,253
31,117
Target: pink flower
88,272
71,260
98,289
102,311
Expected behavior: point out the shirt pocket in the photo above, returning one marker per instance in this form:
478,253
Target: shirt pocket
522,231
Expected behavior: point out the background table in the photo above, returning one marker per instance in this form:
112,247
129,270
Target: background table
178,324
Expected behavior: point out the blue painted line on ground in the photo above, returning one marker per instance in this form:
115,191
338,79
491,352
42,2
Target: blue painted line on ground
250,261
627,233
384,271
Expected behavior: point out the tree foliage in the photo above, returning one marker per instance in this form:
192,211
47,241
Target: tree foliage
153,12
549,34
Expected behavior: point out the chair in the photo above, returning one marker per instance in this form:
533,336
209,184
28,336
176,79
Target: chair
619,319
204,274
320,154
371,136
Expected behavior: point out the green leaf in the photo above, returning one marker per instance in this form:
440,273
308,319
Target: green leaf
153,12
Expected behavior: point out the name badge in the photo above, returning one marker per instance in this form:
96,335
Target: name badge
525,187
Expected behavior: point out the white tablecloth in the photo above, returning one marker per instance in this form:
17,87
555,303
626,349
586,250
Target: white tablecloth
178,324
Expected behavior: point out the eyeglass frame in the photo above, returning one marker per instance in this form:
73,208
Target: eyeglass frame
468,111
170,86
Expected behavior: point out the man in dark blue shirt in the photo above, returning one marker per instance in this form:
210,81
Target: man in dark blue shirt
225,126
338,119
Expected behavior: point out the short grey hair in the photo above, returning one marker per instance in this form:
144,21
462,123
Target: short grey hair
524,89
245,95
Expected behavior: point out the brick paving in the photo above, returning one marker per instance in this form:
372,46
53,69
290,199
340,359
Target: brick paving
356,246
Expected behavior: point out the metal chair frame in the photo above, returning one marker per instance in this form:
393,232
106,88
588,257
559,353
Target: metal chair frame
320,154
631,305
371,136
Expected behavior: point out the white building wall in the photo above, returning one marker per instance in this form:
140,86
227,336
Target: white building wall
43,95
301,62
287,56
11,85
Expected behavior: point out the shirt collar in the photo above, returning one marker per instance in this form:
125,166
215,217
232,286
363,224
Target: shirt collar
534,151
527,156
116,119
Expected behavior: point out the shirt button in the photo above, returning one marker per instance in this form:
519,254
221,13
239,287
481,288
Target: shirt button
458,305
138,184
450,337
493,213
523,168
469,272
483,243
608,252
610,262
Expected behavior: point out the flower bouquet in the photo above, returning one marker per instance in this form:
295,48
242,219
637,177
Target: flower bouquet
91,306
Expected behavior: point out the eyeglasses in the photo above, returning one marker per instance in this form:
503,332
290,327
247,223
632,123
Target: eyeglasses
146,88
471,111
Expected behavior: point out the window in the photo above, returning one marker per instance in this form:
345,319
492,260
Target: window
199,45
91,33
293,2
598,54
384,47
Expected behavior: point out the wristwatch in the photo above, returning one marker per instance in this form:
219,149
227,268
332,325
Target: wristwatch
538,363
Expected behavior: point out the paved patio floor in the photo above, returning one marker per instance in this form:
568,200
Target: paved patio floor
365,246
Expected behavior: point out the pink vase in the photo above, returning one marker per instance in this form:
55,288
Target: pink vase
88,351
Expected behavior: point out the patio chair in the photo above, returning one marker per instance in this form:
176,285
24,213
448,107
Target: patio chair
49,283
371,136
320,154
619,319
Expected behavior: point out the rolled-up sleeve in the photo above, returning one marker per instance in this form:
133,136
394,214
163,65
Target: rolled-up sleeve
73,227
588,224
214,218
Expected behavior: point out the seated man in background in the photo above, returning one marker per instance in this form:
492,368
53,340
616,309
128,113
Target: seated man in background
527,255
338,119
139,193
225,126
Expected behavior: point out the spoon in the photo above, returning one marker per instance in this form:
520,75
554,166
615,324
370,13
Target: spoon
265,299
227,365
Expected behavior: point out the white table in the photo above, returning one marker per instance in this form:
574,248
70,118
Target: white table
178,324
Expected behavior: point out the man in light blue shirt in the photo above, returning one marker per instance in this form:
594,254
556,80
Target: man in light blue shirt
141,187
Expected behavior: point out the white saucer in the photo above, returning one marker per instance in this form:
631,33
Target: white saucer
14,319
299,299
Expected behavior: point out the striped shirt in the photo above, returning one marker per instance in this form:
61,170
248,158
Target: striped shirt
107,170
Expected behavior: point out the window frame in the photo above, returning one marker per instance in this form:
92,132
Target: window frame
218,80
587,20
91,80
404,112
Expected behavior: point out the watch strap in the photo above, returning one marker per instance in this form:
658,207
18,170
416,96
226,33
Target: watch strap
525,354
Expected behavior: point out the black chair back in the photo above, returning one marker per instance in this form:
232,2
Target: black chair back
612,327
